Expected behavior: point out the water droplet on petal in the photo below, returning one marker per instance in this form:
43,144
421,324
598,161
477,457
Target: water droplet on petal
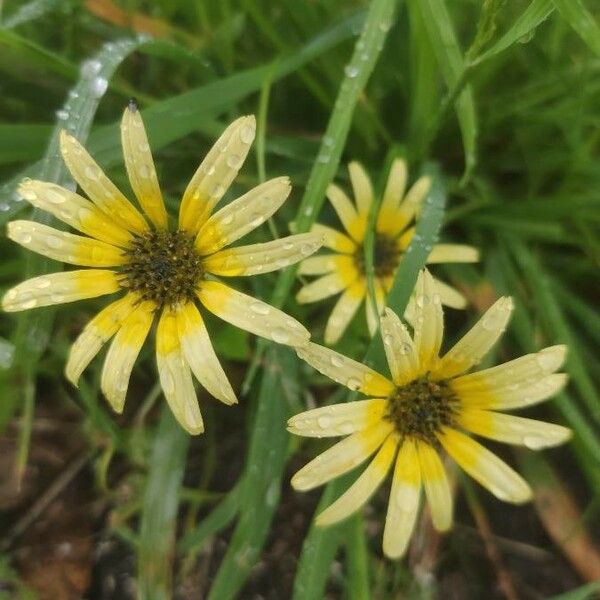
353,383
324,421
280,335
247,134
62,114
260,308
337,361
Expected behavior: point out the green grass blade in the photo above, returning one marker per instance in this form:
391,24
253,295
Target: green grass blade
160,507
261,486
321,544
442,38
582,21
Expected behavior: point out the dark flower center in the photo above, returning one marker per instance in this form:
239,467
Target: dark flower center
386,256
163,267
421,408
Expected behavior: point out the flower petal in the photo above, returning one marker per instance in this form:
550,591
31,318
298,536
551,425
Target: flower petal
374,313
215,174
343,311
453,253
344,370
251,314
399,349
140,166
513,430
410,205
60,288
428,321
263,258
338,419
353,223
95,334
394,190
332,283
73,210
477,342
99,188
516,384
123,352
342,457
175,376
200,355
319,265
449,295
363,488
63,246
485,467
403,505
334,239
436,486
361,187
242,215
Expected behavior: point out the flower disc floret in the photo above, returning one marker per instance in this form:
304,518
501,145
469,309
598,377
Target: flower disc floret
163,267
422,408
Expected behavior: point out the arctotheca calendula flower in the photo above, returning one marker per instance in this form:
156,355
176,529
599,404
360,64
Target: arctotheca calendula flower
343,271
424,411
164,269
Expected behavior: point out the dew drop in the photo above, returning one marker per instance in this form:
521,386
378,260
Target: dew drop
337,361
89,68
92,172
247,134
307,249
227,219
351,71
234,161
98,87
280,335
62,114
53,242
324,421
353,383
259,308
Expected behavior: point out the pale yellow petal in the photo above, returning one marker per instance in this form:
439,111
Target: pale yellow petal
394,190
513,430
449,295
338,419
399,348
516,384
344,370
374,313
319,265
343,311
74,210
95,334
200,355
263,258
215,174
335,240
330,284
363,488
251,314
242,215
175,375
428,321
437,488
403,505
353,223
140,167
453,253
361,187
342,457
477,342
60,288
63,246
123,352
411,205
99,188
485,467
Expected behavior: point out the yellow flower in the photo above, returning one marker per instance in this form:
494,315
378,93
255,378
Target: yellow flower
162,268
421,411
344,270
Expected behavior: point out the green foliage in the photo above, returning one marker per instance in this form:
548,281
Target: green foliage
497,100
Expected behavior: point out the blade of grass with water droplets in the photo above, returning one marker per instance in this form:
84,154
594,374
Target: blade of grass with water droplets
261,485
438,25
33,327
160,507
321,544
582,21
